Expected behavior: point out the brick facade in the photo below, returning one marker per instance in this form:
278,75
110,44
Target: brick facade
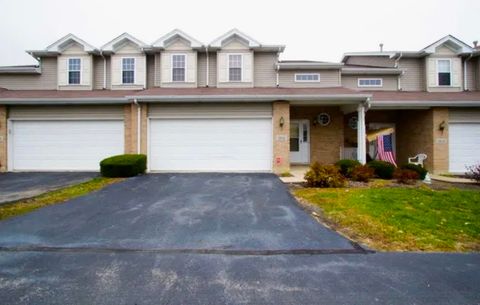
3,138
326,142
281,137
131,126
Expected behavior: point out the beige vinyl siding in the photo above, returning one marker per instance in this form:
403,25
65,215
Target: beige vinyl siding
390,82
202,69
47,80
217,110
190,69
150,71
264,71
456,73
413,78
328,78
109,72
247,69
98,69
377,61
66,112
158,73
477,75
471,75
464,115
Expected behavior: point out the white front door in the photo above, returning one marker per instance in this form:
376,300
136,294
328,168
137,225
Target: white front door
299,141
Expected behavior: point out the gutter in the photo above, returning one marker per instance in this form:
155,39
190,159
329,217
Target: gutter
104,70
251,98
64,101
415,104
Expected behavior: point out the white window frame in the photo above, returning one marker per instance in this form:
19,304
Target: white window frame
184,68
241,68
134,69
369,86
306,81
437,72
68,71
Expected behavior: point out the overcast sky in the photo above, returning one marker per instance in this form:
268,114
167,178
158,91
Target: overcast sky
316,30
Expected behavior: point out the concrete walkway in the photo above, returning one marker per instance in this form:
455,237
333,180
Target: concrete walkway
452,179
298,172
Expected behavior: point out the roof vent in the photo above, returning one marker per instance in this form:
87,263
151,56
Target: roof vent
475,44
381,47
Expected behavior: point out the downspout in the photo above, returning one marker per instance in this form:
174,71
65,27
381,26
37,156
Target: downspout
207,80
397,64
277,82
139,112
104,70
465,87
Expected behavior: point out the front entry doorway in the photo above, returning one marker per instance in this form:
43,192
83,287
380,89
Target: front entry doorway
300,141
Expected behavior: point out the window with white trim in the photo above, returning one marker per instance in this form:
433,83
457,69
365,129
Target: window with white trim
178,67
128,70
370,82
444,74
307,77
235,67
74,68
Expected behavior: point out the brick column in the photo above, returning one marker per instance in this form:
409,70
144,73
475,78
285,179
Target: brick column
281,137
440,141
131,128
3,138
144,129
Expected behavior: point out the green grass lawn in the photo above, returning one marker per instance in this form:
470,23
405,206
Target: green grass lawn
24,206
402,219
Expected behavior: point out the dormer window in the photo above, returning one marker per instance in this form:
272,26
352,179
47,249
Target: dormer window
307,77
128,70
370,82
74,68
235,67
178,67
444,76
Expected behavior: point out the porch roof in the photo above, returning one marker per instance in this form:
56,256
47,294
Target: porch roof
412,99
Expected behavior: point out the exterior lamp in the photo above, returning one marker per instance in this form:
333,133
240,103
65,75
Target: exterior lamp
441,126
282,122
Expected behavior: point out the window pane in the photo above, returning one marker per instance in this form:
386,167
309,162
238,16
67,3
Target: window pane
307,77
128,77
443,66
74,64
74,77
235,61
444,79
128,64
178,61
235,74
178,74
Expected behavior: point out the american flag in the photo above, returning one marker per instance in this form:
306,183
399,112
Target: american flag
385,148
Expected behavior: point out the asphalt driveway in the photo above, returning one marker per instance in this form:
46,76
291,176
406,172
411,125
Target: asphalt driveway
178,211
210,239
16,186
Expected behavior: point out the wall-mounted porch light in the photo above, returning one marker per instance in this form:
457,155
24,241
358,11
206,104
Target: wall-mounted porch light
282,122
441,126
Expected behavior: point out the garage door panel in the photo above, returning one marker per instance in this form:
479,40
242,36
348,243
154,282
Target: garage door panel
211,144
65,145
464,147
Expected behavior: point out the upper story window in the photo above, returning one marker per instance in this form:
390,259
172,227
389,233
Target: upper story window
307,77
235,67
178,67
370,82
128,70
444,72
74,68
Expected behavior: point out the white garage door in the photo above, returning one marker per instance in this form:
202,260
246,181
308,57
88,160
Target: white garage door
464,146
64,145
235,144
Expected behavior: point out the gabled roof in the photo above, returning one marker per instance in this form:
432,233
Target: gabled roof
58,46
163,41
112,45
252,43
457,44
26,69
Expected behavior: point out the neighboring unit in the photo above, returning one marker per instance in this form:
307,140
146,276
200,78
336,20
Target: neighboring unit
233,105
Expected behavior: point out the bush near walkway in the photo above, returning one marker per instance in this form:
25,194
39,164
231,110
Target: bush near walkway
128,165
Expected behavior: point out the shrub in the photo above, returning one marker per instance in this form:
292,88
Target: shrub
324,176
123,166
362,173
383,170
474,172
406,176
422,172
346,166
